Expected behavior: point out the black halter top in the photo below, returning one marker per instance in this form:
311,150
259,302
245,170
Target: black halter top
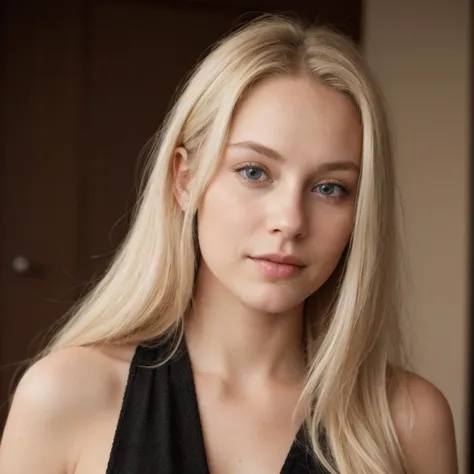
159,429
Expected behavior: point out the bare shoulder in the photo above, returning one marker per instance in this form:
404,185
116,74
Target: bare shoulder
69,382
56,398
424,424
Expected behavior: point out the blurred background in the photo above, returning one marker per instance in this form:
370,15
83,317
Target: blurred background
85,84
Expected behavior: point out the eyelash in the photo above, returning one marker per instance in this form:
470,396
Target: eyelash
344,189
245,166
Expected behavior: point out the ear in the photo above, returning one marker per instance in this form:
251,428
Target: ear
181,176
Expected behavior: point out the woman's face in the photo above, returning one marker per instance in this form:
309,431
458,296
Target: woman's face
279,211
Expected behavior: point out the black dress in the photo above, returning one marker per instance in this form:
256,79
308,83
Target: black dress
159,430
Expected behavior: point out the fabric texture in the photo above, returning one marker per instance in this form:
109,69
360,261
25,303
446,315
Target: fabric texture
159,429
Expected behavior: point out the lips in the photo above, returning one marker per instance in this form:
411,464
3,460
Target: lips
281,258
278,266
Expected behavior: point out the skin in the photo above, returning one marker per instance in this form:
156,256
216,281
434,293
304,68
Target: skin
279,188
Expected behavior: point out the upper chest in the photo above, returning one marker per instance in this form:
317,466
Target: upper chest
246,432
169,423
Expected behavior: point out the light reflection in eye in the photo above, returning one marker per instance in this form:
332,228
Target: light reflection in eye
252,173
331,189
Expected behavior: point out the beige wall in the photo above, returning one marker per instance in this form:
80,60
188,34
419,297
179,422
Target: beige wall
419,51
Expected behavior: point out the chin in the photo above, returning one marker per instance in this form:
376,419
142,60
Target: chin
271,301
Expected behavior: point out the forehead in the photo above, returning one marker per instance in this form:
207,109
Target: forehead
299,115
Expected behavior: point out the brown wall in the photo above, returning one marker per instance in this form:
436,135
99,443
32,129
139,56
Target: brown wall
419,51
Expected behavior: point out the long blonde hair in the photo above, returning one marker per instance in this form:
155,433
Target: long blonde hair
351,323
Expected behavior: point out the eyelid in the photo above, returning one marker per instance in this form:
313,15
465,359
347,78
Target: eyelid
249,164
332,181
343,187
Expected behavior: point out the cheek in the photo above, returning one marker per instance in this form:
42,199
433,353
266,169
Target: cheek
333,230
223,219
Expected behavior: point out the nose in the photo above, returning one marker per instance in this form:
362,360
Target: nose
287,216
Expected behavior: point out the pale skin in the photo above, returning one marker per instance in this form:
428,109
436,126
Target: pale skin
285,184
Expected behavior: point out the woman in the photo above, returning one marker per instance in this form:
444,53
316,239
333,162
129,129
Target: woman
249,322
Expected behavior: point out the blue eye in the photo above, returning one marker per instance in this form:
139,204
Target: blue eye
331,189
252,173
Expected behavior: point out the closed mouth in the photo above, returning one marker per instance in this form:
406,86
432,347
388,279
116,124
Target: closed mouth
281,259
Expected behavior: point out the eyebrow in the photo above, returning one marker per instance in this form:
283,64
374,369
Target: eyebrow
275,155
259,148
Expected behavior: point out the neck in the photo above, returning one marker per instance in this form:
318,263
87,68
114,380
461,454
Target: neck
227,338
